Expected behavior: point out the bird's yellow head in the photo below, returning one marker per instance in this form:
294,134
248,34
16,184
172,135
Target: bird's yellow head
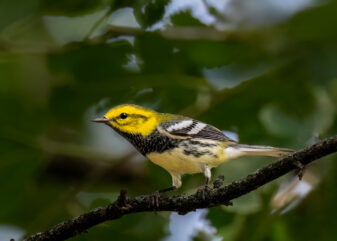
131,119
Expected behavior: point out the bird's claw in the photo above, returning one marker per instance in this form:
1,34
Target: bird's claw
218,182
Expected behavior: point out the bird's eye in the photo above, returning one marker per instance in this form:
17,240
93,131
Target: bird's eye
123,116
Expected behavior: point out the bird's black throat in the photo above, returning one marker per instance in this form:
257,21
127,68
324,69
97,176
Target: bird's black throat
155,142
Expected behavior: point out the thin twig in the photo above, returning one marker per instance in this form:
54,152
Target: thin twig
96,24
219,195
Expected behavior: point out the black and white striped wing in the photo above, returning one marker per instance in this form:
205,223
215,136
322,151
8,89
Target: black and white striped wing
193,129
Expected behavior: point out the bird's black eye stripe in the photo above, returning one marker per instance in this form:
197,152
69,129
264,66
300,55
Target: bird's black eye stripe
123,115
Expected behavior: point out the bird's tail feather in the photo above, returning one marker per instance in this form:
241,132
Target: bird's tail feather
238,150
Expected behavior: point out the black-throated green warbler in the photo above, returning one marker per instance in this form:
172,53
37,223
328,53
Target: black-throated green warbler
179,144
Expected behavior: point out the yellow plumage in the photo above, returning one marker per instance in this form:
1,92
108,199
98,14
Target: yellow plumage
136,125
177,143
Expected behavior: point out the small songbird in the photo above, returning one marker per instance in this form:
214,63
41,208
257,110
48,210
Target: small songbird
179,144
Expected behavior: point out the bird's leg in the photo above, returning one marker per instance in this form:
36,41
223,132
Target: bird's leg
207,181
207,173
204,189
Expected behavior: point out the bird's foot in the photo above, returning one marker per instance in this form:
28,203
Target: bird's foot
218,182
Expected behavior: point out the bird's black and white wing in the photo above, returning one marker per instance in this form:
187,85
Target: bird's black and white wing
189,128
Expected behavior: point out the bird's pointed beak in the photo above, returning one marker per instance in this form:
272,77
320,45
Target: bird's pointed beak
101,120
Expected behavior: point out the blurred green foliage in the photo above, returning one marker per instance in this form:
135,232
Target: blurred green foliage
273,84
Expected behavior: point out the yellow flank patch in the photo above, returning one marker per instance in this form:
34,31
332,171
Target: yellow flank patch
139,119
175,161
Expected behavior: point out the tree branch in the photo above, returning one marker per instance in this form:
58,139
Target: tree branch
218,195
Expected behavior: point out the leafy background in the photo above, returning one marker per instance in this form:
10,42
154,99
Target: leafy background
263,70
